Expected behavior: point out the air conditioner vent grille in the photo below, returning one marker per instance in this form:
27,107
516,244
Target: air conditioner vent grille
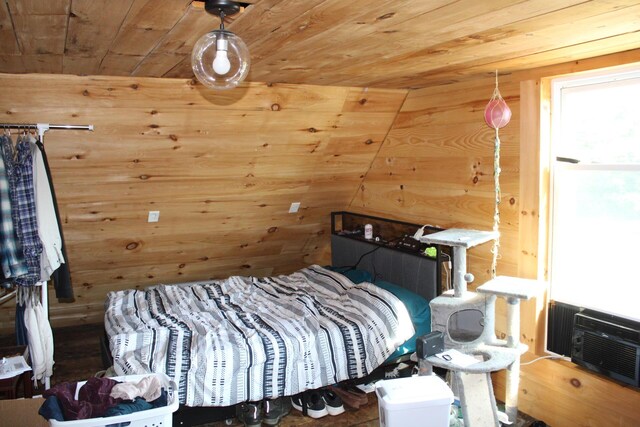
609,354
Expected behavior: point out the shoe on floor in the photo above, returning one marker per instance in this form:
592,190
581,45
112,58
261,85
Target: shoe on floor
350,395
310,403
275,410
249,413
332,401
360,395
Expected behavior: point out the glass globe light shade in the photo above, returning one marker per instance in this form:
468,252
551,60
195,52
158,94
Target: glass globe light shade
220,60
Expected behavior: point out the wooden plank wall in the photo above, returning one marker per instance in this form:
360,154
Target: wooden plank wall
221,167
436,167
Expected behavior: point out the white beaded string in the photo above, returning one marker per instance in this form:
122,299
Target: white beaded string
496,213
496,180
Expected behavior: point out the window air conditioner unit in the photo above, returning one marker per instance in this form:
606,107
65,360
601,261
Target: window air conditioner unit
607,344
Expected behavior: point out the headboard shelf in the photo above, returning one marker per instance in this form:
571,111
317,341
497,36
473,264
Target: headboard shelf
391,254
386,232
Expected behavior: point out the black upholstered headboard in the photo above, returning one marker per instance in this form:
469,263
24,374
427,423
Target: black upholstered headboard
416,273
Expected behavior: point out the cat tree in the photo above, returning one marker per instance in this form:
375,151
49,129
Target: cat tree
474,386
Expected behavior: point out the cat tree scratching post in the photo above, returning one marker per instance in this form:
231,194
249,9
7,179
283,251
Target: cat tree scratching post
475,388
513,289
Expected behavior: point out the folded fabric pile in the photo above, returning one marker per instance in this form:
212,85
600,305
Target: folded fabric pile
101,397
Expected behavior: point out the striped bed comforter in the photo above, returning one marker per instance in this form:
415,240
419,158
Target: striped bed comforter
248,338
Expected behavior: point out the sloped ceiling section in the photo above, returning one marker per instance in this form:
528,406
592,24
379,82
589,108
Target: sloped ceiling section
364,43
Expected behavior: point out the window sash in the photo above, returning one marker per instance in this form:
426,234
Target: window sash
607,257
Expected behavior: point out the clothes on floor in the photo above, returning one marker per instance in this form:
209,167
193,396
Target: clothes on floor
147,388
94,400
137,405
51,409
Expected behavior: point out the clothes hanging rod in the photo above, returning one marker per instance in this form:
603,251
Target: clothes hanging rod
46,125
6,297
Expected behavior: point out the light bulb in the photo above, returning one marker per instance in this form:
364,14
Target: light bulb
220,60
221,64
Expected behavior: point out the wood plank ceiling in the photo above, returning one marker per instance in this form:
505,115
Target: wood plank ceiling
365,43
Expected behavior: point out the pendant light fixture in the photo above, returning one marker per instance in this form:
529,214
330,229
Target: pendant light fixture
220,59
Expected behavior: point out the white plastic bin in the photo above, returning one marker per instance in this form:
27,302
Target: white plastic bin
157,417
421,401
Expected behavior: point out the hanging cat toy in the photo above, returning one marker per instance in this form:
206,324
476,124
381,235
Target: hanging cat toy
497,114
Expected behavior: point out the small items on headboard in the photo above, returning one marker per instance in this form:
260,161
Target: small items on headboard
386,232
392,254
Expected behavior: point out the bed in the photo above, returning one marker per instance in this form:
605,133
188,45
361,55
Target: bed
248,338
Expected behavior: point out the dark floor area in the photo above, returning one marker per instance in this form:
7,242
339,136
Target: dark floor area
76,354
78,357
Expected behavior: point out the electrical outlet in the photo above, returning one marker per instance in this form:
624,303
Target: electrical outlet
294,207
154,216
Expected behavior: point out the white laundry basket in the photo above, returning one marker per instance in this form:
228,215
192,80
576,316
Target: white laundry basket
157,417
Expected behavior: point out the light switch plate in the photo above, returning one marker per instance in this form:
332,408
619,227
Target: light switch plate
294,207
154,216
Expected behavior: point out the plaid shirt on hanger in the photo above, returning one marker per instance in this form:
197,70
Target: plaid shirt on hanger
13,263
23,205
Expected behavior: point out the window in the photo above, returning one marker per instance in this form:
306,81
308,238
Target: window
595,184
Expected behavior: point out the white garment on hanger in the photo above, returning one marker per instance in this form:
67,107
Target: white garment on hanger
40,337
36,352
46,337
48,230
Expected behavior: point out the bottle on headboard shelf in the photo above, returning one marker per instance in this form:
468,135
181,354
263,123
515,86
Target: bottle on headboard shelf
368,231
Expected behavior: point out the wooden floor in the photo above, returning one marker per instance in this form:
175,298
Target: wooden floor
78,357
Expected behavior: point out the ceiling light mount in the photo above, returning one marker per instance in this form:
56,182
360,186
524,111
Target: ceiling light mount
221,8
220,59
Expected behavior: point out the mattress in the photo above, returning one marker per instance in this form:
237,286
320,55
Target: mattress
249,338
417,307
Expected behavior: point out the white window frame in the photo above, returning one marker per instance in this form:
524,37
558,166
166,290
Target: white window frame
611,78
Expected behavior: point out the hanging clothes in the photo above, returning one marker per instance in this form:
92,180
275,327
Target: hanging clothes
19,166
20,327
13,263
46,337
48,231
36,350
39,334
32,246
61,277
